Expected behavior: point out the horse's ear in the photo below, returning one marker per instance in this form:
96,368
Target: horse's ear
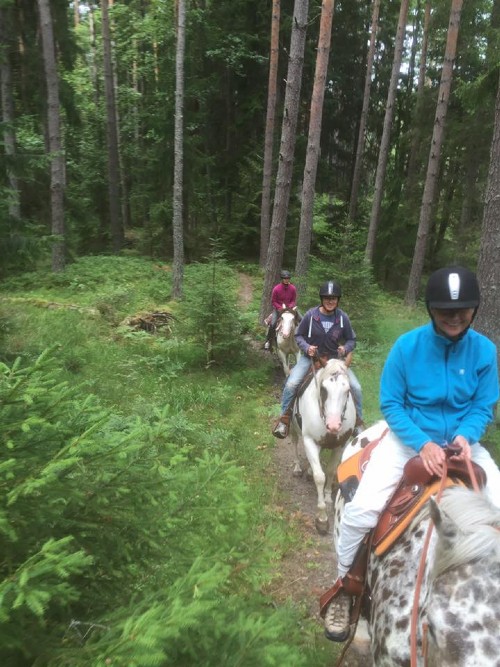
435,512
445,526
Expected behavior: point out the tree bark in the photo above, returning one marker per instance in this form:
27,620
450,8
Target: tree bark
386,133
434,155
265,213
177,225
116,224
356,176
412,160
287,150
488,271
9,136
313,145
54,135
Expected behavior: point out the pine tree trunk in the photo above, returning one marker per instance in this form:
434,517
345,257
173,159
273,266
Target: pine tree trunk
177,226
287,150
386,133
111,135
488,317
313,145
434,155
356,177
265,213
54,135
9,137
412,160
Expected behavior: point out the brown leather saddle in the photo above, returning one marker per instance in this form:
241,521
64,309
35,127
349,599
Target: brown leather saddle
414,489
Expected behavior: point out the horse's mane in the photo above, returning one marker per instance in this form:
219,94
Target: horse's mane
332,366
478,523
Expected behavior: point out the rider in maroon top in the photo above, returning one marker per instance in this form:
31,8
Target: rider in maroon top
284,294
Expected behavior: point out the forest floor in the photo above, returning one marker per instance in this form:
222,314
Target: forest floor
310,570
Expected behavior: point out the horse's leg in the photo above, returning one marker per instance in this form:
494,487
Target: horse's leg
313,456
297,468
284,361
334,457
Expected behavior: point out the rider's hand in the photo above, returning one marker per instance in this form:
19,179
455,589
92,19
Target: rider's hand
466,453
311,350
433,457
341,351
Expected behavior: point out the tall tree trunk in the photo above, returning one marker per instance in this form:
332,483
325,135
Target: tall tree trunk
9,136
265,212
125,208
412,160
76,12
177,226
386,133
434,155
287,150
313,142
54,135
111,135
356,177
488,270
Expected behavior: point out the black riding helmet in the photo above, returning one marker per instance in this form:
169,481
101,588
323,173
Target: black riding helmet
330,288
451,288
286,275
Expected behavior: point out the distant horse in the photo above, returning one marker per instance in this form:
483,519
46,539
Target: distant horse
327,416
286,345
459,603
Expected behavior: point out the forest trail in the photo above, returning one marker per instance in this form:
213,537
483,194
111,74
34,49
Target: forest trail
306,573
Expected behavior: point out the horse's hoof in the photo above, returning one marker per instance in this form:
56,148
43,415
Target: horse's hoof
297,472
322,525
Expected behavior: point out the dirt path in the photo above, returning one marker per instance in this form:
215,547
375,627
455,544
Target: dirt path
309,571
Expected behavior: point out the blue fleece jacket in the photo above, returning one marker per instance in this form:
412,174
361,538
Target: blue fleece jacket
435,389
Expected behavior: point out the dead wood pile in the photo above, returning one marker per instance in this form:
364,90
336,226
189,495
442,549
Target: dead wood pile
151,322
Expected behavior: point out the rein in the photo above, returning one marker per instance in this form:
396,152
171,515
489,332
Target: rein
421,567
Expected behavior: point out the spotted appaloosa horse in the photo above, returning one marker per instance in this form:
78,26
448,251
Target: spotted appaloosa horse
460,598
286,345
327,416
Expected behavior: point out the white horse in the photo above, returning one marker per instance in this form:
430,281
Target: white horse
459,602
286,345
327,419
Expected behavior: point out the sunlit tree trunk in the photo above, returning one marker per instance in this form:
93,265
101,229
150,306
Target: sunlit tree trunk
488,270
9,137
265,213
313,142
434,155
386,133
76,12
286,155
356,176
177,223
111,134
54,135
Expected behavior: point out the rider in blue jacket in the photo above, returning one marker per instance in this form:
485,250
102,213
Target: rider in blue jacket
439,385
324,332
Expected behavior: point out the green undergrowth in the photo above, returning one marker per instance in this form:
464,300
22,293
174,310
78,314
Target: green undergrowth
138,513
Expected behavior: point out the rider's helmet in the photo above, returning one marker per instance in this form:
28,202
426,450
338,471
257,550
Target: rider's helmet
330,288
452,287
286,275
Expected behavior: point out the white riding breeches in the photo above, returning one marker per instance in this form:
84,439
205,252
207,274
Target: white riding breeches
378,483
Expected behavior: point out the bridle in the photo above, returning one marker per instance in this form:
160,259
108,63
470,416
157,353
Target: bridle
421,568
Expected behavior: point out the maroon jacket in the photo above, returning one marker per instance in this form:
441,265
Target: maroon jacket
284,294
